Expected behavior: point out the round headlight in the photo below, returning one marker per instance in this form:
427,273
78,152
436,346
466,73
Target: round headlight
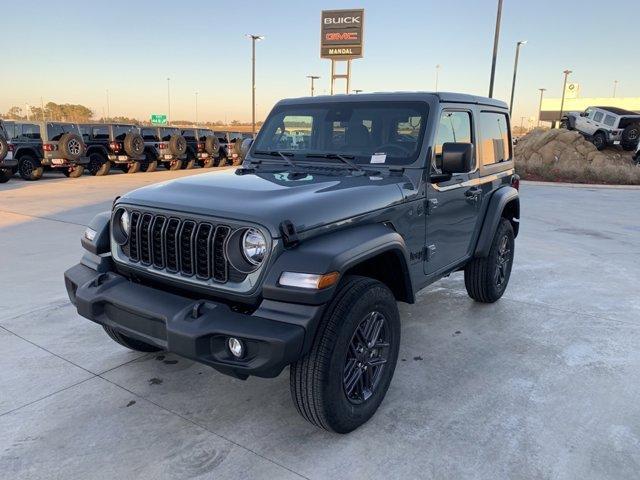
254,246
125,222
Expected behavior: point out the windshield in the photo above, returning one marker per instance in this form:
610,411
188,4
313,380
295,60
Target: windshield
371,132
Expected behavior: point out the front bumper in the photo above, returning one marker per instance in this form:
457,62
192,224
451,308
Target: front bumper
196,329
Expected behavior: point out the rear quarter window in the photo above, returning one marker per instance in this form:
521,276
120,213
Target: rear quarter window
30,131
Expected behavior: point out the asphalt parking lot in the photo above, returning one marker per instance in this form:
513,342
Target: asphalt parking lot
543,384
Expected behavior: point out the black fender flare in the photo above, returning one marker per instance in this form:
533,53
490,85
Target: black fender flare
27,151
571,121
336,251
497,204
98,149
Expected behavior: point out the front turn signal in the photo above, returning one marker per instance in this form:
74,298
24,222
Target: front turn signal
311,281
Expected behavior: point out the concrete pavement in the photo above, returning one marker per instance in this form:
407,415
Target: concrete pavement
542,384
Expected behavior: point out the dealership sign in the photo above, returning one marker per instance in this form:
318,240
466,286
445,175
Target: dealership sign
342,34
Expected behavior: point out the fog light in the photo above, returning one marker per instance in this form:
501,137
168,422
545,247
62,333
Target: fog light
236,347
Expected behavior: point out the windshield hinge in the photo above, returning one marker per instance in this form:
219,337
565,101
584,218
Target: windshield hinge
289,234
396,171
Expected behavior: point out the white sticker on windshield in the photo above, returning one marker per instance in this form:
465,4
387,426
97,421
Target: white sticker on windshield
378,158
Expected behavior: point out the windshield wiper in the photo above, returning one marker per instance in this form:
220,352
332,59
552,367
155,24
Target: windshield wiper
342,158
275,153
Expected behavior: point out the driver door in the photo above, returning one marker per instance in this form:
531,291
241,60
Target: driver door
453,205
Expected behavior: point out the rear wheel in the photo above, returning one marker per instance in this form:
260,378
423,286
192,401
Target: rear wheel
29,168
98,165
173,165
5,175
133,167
630,137
341,382
209,162
599,140
486,279
130,343
189,163
149,166
74,171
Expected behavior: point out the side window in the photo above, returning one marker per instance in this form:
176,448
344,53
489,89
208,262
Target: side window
609,120
454,127
598,117
149,135
494,138
100,132
590,113
31,131
11,130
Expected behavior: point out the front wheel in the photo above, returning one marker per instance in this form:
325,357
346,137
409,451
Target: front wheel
5,175
599,140
342,381
486,278
130,343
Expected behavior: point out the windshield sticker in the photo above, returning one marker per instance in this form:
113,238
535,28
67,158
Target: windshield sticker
378,158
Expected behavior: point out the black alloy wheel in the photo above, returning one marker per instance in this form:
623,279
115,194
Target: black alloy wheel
366,358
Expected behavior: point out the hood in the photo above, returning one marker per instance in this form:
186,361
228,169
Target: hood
268,198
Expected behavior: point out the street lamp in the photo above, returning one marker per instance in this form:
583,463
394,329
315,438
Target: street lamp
542,90
168,100
496,37
438,67
108,108
615,87
515,72
254,39
564,87
196,108
312,78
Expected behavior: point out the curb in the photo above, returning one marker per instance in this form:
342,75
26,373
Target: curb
580,185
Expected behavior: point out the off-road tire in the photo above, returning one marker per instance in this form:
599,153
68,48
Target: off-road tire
189,163
98,165
29,168
173,165
564,124
222,161
133,167
5,175
71,146
130,343
630,137
75,171
316,380
599,140
480,274
133,144
212,145
4,147
149,166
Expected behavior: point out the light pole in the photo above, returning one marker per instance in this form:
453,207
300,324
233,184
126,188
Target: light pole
108,108
522,125
615,87
496,38
168,100
542,90
254,39
515,72
437,74
564,87
313,78
196,108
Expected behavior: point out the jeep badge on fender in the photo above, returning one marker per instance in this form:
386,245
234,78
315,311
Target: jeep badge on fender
343,207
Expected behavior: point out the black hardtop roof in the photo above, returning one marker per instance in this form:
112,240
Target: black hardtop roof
443,97
109,124
617,111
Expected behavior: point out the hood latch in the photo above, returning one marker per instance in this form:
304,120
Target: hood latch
289,234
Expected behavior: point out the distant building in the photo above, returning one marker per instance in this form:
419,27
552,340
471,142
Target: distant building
550,111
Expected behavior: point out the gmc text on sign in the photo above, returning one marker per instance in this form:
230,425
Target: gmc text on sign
342,34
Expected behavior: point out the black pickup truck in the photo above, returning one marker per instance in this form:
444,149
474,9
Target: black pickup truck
299,257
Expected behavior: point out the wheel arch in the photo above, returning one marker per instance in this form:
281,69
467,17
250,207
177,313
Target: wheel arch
21,151
370,250
504,203
97,149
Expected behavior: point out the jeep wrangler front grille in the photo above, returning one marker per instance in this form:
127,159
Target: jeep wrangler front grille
179,246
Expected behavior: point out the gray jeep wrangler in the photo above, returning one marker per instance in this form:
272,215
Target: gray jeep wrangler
606,126
299,257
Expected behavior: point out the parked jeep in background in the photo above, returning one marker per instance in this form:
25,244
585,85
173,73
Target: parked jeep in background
606,126
165,145
7,162
52,145
202,147
115,144
227,144
299,257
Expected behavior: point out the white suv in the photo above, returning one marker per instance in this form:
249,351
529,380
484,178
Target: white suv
606,126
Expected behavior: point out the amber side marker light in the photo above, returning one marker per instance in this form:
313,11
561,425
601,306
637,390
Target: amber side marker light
311,281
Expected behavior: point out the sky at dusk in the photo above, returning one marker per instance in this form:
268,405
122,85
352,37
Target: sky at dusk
72,52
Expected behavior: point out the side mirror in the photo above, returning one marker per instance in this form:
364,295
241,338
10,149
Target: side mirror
584,114
245,146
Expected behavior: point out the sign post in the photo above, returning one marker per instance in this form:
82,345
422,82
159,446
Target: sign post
158,119
341,40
